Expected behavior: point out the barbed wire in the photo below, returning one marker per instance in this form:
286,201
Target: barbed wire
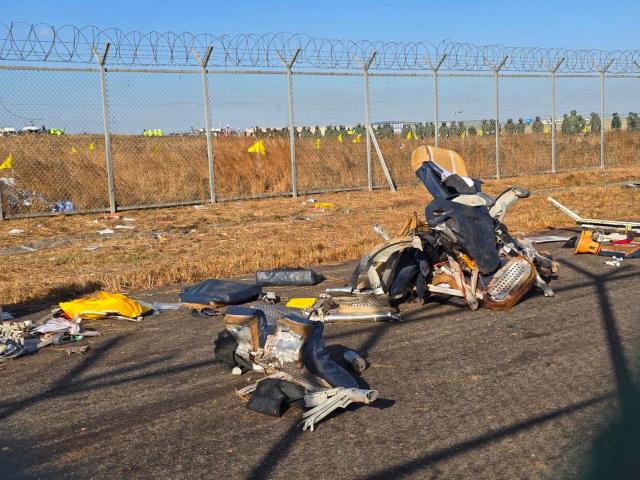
72,44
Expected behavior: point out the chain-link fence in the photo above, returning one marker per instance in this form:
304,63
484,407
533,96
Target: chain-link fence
252,117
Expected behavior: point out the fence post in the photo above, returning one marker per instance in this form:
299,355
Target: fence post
434,70
602,73
207,120
553,71
105,119
496,71
367,117
292,133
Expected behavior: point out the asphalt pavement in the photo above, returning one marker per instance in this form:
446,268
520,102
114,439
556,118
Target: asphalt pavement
525,393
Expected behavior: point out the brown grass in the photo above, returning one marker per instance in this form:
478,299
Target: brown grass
173,169
240,237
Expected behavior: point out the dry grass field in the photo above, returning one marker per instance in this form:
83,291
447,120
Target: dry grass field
187,244
173,169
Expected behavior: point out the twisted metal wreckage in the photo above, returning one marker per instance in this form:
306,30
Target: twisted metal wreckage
463,251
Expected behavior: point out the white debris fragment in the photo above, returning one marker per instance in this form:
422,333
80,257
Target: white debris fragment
15,231
105,231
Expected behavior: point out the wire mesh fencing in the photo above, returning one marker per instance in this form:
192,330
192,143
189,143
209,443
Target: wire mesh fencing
288,118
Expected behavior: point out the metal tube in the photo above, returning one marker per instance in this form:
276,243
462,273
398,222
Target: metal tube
107,131
553,122
497,125
292,134
435,108
367,121
367,118
602,119
292,138
207,125
434,70
497,69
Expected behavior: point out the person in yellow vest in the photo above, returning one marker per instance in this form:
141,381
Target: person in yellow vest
59,132
144,132
52,131
160,132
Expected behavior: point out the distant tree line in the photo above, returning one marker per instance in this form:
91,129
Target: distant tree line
572,124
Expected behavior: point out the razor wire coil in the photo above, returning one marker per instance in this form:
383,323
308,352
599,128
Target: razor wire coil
73,44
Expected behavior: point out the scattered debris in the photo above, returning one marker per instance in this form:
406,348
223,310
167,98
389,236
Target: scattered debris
302,303
615,261
15,231
632,185
104,305
64,206
271,298
288,277
105,231
125,227
91,248
80,350
546,239
358,363
591,223
608,244
285,350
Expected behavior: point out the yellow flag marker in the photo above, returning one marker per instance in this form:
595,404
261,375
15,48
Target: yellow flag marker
546,129
316,144
323,205
409,135
257,147
8,163
340,138
73,150
480,132
357,139
92,146
351,132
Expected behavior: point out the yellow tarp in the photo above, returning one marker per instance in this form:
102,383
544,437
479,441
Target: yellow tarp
302,302
102,305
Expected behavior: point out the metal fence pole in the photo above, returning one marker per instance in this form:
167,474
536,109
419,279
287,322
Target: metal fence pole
105,119
292,133
602,73
207,120
552,72
367,117
434,70
496,70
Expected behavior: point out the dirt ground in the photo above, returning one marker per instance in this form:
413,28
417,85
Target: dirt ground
62,257
546,390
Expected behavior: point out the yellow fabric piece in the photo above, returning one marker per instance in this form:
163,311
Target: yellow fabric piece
340,138
103,304
257,147
302,302
357,139
73,150
92,146
316,144
409,135
8,163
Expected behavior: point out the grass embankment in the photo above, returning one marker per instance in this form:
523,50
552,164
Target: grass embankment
183,245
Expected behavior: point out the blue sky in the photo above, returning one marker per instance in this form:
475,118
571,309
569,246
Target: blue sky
174,103
558,23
